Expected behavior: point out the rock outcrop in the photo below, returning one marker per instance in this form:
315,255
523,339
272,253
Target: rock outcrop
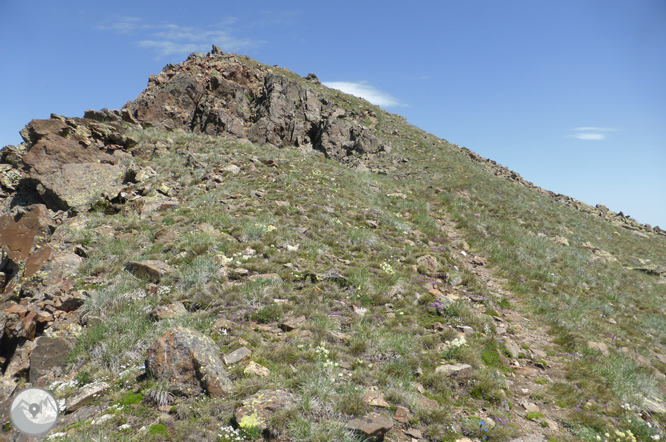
188,360
220,94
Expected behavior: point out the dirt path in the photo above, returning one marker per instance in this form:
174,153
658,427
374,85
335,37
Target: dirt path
525,337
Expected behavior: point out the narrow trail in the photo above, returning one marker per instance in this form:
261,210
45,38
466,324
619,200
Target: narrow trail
523,336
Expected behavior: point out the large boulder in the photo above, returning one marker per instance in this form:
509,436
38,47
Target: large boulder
189,361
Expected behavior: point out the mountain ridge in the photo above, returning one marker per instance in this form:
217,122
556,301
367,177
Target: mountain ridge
318,236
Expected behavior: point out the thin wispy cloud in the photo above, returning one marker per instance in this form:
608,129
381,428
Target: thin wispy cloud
594,137
596,129
591,133
172,39
365,91
124,25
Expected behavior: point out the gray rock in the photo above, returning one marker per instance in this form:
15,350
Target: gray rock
454,369
85,395
236,356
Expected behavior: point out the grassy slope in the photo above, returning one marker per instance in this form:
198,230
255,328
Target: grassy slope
560,286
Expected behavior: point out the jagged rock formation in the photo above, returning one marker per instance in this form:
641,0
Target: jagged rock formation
220,95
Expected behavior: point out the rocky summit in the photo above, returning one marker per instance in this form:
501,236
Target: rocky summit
241,253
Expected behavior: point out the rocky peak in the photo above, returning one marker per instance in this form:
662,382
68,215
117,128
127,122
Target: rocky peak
225,94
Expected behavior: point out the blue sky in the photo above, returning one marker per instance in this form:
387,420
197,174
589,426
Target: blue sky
570,94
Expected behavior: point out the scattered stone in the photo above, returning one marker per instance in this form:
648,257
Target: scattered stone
236,356
512,348
189,360
459,370
599,346
375,399
222,325
402,415
413,432
85,395
153,270
263,404
162,312
292,323
429,262
257,370
530,407
232,168
372,426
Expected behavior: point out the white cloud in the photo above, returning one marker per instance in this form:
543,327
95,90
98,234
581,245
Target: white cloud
590,133
364,90
174,39
595,137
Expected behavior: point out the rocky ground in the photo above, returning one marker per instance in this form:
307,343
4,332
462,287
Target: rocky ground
201,175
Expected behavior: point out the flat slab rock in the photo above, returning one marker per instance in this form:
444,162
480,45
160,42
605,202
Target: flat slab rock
49,355
264,403
454,369
153,270
189,361
373,426
237,356
85,395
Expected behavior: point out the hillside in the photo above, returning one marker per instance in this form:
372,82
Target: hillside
244,254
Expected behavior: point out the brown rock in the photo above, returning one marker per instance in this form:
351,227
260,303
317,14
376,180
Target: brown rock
153,270
20,361
27,327
372,426
18,233
257,370
290,324
375,399
402,415
190,361
48,356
